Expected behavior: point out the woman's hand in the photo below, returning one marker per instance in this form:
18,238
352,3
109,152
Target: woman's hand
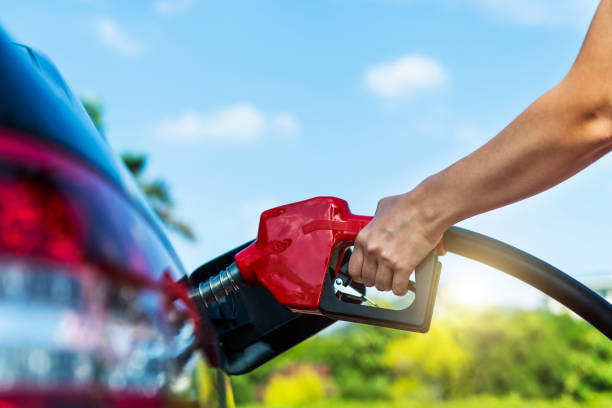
388,249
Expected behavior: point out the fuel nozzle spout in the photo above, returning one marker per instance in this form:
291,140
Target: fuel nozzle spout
217,287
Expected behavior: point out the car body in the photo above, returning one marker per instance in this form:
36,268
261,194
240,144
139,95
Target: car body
92,311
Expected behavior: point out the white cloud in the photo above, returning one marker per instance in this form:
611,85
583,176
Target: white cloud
240,122
173,6
405,76
114,37
547,13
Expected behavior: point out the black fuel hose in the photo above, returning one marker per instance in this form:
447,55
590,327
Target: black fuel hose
535,272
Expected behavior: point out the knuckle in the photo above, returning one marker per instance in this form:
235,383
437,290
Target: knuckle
372,247
388,258
397,267
383,201
404,267
362,236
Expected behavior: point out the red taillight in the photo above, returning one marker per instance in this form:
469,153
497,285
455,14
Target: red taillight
35,220
56,208
83,297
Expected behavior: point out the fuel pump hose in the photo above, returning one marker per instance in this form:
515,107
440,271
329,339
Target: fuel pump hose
535,272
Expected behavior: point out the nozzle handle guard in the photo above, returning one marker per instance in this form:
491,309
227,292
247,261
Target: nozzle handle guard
416,317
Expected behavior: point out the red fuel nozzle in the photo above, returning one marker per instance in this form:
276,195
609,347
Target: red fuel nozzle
296,257
294,247
291,254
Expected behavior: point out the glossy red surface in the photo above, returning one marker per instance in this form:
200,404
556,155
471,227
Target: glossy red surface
294,245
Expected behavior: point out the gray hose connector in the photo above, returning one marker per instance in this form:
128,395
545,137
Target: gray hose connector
217,287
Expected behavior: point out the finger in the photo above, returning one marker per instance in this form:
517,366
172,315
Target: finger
368,272
356,264
384,277
401,279
440,250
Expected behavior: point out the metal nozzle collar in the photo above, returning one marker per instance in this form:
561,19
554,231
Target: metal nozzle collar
219,286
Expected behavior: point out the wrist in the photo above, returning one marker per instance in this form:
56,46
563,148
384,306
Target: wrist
433,204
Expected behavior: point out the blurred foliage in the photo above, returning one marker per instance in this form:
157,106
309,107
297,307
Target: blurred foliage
526,353
481,401
302,384
157,190
409,388
95,110
436,358
158,194
494,355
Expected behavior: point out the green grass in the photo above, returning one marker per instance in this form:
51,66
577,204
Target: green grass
600,401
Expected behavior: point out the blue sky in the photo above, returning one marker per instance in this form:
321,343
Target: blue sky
245,105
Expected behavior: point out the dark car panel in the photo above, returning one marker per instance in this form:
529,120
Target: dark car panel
92,307
35,99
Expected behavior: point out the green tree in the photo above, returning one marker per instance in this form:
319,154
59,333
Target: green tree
156,190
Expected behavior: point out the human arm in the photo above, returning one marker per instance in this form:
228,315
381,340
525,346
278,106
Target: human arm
561,133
